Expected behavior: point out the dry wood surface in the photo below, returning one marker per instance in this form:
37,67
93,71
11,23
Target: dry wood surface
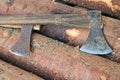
10,72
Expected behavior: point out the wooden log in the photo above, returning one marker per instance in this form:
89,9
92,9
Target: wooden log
10,72
69,35
109,7
54,60
36,7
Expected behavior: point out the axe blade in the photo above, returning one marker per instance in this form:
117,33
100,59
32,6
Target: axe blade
22,46
96,43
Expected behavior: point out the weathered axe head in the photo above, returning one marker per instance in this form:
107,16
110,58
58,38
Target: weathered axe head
22,46
96,43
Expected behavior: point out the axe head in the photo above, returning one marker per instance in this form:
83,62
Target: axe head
96,43
22,46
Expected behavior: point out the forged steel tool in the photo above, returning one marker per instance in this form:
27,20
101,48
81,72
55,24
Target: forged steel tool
95,44
22,46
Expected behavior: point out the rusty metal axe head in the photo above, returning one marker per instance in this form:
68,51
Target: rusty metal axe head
22,46
96,43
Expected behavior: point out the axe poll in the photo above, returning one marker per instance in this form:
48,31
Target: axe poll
90,20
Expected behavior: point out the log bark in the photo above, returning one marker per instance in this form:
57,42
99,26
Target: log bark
35,7
9,72
110,7
54,60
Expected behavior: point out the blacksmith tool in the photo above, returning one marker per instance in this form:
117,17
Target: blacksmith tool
92,21
96,43
22,46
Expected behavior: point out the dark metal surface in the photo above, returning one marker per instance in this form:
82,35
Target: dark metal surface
22,46
96,43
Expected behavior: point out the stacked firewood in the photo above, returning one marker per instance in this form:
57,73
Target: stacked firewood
55,52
